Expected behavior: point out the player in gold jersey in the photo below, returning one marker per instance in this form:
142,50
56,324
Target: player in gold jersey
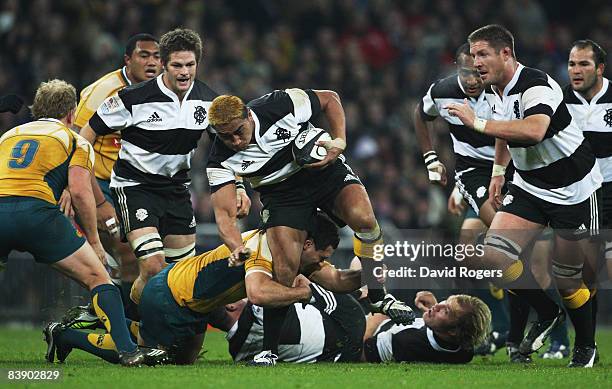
142,62
176,303
37,161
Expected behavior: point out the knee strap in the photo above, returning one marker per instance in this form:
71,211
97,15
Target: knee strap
147,246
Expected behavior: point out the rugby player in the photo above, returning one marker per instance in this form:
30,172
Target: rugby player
142,63
175,303
40,159
554,184
254,141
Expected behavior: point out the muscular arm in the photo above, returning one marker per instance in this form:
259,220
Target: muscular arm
262,290
224,205
339,281
332,107
530,130
422,132
79,185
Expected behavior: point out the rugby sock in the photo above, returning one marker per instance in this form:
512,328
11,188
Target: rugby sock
594,307
519,312
100,345
273,320
527,288
579,308
131,309
107,304
364,243
134,328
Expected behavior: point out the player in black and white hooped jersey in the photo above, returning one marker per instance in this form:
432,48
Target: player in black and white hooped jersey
474,152
589,100
555,183
329,330
161,122
254,141
448,332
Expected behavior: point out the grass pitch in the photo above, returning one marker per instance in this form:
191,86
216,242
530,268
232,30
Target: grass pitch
24,349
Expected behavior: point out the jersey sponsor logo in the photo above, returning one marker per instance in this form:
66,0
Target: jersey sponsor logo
580,230
199,115
111,104
154,118
245,164
141,214
480,192
282,134
350,177
608,117
517,111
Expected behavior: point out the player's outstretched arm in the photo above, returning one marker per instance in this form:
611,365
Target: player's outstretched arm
339,281
224,205
262,290
79,184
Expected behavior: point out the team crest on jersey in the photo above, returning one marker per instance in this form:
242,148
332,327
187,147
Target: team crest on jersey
517,111
141,214
199,115
282,134
111,104
480,192
608,117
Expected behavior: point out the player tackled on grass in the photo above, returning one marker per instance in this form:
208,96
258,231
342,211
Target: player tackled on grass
254,141
176,302
38,160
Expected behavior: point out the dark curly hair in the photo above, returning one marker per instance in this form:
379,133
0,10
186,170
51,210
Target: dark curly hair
180,39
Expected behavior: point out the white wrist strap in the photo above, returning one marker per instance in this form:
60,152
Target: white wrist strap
338,143
480,124
498,170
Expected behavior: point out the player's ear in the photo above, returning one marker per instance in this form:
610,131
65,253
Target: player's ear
308,243
600,69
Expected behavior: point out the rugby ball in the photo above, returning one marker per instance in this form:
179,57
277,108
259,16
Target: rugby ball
305,150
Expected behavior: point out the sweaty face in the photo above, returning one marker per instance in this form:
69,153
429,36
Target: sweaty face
582,70
469,76
144,63
180,71
237,134
488,61
443,315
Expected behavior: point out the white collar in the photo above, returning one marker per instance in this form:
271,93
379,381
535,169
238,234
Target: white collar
125,76
53,120
168,92
435,345
513,81
604,88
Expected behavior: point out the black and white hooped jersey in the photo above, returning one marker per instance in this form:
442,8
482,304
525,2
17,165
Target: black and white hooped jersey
279,117
412,343
595,120
302,337
560,169
158,132
471,148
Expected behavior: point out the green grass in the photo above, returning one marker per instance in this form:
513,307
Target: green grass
21,349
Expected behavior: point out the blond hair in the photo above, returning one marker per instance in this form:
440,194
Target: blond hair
224,109
474,324
54,99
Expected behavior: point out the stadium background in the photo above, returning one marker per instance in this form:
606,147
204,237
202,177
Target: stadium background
380,56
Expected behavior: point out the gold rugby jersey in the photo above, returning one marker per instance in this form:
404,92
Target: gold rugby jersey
106,147
205,282
35,157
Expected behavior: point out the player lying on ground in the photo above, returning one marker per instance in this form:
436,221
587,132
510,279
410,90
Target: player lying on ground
334,327
448,332
176,303
38,160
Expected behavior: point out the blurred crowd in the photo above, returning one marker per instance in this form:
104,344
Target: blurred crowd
379,55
